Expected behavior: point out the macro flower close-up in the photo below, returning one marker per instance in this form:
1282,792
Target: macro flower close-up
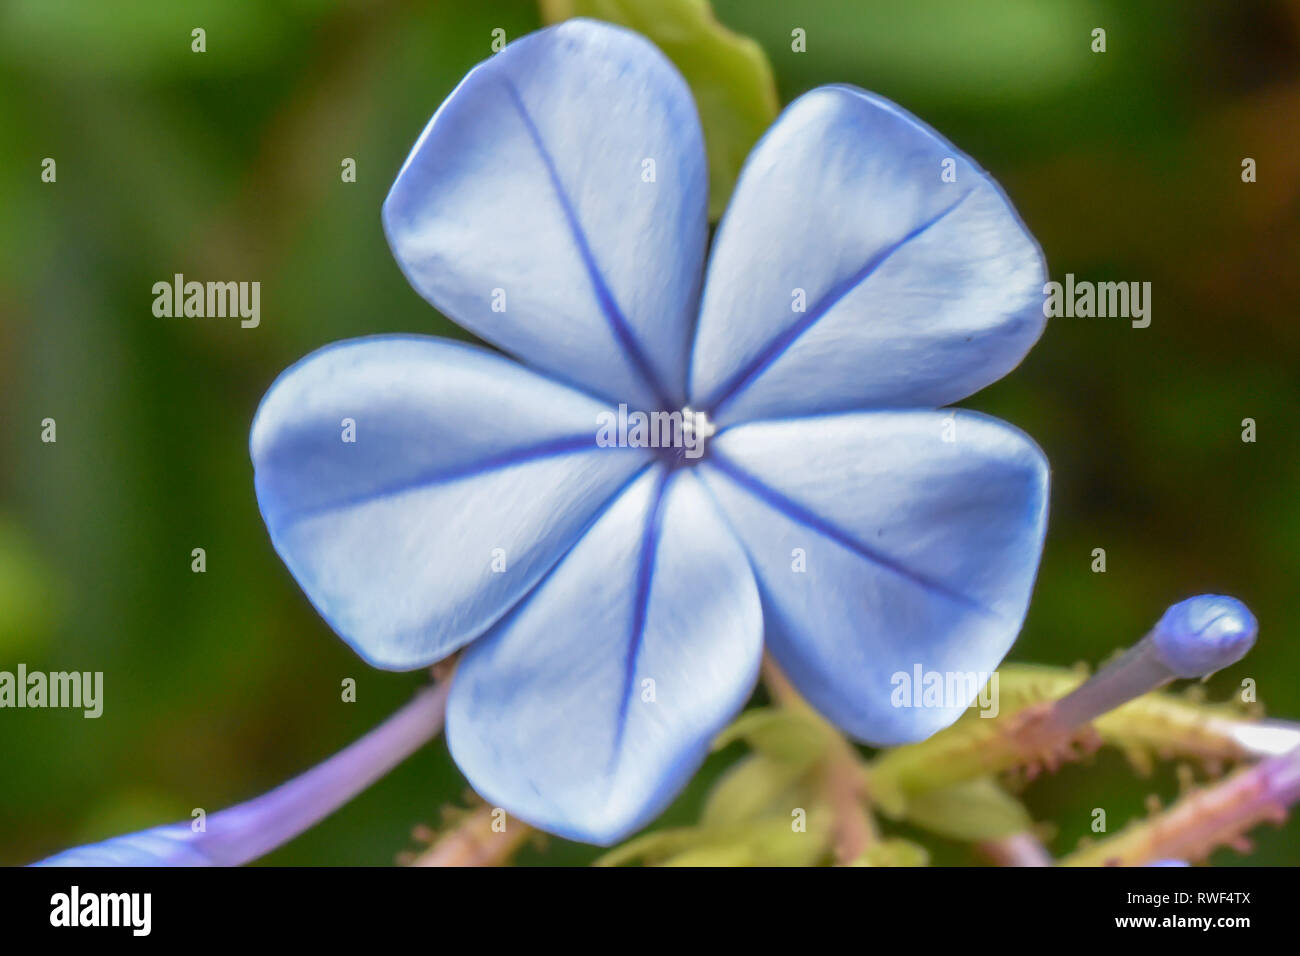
616,600
629,433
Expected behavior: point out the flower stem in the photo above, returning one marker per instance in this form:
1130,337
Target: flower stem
244,832
1136,672
854,830
1194,638
1216,815
476,843
1153,723
248,830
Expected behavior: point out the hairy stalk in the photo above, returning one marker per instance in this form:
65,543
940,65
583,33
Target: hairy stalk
476,843
1217,815
1155,723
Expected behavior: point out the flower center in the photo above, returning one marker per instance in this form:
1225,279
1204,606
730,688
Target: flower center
678,436
696,430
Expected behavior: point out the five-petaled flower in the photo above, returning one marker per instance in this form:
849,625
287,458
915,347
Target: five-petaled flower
613,602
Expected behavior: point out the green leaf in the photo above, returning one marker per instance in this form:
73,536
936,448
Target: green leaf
894,852
775,842
714,855
756,785
972,810
651,847
729,74
768,841
793,736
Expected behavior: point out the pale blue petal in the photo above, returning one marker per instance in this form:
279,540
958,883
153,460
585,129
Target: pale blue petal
917,292
552,715
915,552
533,179
464,463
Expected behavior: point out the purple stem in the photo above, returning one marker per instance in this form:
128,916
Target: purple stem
244,832
1136,672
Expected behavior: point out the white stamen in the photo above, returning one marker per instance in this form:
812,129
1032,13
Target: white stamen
696,429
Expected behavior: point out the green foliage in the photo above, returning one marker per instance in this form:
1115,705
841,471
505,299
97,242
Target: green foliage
973,810
789,735
894,852
28,599
980,53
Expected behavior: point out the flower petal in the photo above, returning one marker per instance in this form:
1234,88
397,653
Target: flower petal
469,476
880,547
567,173
915,292
553,717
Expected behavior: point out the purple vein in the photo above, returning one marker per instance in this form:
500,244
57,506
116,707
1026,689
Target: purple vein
802,515
613,314
505,459
640,611
780,344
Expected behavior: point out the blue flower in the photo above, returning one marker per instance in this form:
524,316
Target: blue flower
613,602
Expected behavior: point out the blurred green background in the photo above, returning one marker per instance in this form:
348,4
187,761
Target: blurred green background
225,165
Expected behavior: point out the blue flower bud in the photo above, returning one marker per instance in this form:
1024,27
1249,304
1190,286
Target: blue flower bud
1204,634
